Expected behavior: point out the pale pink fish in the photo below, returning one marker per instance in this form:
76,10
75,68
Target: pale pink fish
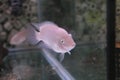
56,38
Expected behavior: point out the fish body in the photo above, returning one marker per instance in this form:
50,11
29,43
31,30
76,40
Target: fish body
55,37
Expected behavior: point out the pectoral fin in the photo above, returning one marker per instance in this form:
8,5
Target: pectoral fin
61,57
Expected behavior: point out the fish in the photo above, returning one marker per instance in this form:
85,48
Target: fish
55,37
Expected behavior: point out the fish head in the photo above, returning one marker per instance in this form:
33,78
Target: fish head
65,43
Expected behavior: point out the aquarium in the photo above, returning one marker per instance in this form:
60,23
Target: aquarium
85,20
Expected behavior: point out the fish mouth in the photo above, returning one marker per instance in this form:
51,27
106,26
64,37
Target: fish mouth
73,45
68,49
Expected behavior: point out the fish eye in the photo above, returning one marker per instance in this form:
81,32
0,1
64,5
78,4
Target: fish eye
62,41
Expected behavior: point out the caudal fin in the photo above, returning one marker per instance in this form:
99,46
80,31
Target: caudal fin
18,38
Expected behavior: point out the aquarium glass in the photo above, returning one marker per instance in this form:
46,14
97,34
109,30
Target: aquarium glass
84,19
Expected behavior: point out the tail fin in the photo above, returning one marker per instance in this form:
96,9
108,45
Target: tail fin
18,38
